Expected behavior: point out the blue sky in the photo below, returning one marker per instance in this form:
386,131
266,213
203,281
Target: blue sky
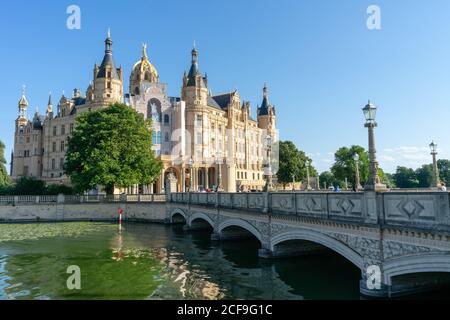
318,58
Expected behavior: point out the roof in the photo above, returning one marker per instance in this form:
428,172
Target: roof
223,100
212,103
108,61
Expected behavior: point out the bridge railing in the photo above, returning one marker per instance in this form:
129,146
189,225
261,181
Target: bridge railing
424,209
49,199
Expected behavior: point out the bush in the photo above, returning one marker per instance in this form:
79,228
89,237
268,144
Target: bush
32,186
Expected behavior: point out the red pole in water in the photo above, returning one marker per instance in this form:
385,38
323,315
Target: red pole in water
120,211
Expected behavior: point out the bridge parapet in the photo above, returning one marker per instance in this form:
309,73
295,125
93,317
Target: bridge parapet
424,210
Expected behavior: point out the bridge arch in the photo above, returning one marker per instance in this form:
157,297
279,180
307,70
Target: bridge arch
419,263
241,224
318,238
176,214
201,216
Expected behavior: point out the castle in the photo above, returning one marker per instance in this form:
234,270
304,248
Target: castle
204,140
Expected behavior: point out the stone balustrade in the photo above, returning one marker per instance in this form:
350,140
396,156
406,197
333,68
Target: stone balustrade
422,209
48,199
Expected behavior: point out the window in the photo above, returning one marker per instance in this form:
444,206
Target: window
199,120
21,129
166,119
54,146
154,137
28,139
108,85
53,164
63,129
159,137
71,127
62,145
54,131
166,137
199,138
61,163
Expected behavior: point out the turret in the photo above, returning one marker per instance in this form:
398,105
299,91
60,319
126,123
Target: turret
266,113
195,89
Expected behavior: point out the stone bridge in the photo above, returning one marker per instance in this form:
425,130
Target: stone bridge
399,240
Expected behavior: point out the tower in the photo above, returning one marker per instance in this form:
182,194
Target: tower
266,113
143,71
195,86
108,80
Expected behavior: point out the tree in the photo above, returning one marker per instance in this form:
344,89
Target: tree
424,176
327,179
444,170
30,186
4,178
292,162
405,178
344,166
111,147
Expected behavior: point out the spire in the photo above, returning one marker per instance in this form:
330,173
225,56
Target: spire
265,105
108,43
144,51
194,72
49,104
108,60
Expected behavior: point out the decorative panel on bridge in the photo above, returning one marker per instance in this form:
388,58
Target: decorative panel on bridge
314,204
283,203
240,200
256,201
426,209
348,205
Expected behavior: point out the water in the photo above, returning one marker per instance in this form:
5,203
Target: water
158,262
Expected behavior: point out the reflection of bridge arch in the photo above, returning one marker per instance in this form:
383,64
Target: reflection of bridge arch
423,263
175,214
321,239
200,216
241,224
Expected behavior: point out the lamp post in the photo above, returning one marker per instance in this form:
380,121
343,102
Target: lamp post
374,182
357,179
293,182
308,186
191,164
435,180
267,166
219,162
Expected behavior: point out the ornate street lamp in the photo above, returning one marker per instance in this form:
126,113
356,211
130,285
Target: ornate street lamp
191,164
267,166
374,182
219,162
307,164
435,180
357,179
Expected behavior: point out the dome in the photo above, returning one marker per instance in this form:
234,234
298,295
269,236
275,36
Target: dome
143,69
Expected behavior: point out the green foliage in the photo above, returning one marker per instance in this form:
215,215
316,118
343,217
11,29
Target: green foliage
292,162
405,178
424,176
29,186
4,178
344,166
327,178
111,147
55,189
444,171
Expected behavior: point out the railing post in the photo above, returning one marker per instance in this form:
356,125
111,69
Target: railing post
139,198
37,199
231,200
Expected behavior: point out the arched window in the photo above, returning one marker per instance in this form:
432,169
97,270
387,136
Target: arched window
166,119
136,91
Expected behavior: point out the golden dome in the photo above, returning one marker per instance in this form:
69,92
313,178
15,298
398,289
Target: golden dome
143,69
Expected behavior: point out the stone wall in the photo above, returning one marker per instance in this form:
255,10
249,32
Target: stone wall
145,212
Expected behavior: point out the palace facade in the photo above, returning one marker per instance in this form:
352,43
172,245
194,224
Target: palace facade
203,140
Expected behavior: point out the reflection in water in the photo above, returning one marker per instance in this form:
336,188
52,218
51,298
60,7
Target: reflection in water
158,262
